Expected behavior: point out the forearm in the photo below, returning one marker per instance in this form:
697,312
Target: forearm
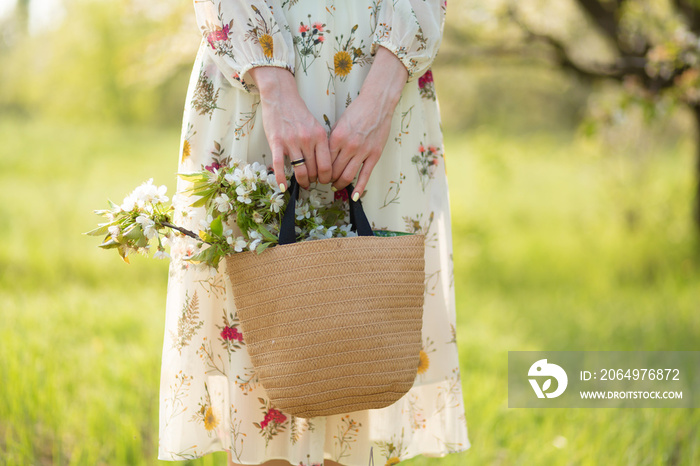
385,80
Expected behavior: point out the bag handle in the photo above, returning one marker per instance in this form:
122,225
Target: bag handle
358,219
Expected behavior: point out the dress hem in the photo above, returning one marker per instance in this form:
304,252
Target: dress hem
427,454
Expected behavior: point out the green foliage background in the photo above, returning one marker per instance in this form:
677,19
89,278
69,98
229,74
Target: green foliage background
561,242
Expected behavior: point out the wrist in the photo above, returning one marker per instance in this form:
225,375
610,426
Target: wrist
269,79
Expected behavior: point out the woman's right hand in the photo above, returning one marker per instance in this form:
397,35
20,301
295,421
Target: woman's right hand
290,128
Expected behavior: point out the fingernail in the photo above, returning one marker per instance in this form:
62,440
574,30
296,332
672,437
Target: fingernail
283,188
355,197
333,188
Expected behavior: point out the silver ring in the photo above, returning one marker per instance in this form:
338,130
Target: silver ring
297,162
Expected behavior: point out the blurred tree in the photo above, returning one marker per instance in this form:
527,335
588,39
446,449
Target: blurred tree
650,47
114,61
21,17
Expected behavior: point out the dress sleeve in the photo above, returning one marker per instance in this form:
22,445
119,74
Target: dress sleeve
411,30
243,34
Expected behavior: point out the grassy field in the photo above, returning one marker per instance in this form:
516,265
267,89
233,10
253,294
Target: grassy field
557,247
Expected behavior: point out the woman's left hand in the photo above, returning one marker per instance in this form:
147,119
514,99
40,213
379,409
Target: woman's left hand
358,138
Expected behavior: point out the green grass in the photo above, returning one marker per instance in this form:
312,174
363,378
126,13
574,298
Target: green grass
556,247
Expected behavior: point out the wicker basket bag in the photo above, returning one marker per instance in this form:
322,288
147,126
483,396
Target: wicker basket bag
332,325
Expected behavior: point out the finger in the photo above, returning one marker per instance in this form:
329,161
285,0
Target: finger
300,171
339,165
318,156
310,162
363,177
334,146
349,173
324,165
278,166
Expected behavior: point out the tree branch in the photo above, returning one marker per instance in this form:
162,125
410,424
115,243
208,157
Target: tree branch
605,19
691,13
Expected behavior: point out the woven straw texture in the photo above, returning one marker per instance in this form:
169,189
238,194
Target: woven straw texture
334,325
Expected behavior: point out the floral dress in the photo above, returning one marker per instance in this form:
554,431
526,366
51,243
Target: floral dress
210,399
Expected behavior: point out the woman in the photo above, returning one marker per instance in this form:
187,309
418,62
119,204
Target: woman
344,91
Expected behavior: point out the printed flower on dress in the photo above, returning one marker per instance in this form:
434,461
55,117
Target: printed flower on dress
207,414
210,419
231,333
205,98
347,54
417,226
393,449
260,32
426,162
342,62
341,195
424,359
309,41
188,323
230,336
345,436
426,86
186,145
217,35
274,421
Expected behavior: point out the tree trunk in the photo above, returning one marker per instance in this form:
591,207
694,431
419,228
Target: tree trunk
696,202
22,17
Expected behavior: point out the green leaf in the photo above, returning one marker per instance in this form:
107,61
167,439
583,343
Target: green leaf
142,241
109,243
193,177
217,226
99,231
134,232
199,202
266,234
199,257
262,246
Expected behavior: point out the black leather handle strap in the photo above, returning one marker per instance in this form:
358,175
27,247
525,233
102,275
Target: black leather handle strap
358,219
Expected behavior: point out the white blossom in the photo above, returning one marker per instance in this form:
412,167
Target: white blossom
315,200
346,229
302,211
223,203
243,194
114,231
145,195
148,192
272,182
230,179
240,244
147,225
205,223
259,169
256,239
249,178
276,202
128,204
235,177
161,254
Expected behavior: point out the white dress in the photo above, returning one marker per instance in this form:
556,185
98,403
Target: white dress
209,396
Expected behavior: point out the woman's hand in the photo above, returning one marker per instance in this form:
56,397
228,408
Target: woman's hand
290,128
358,138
